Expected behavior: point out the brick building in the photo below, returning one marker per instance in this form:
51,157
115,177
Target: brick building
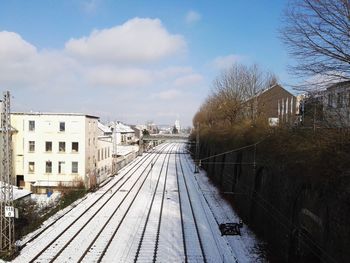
276,105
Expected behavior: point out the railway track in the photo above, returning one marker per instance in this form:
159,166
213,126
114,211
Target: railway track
107,185
151,227
154,212
208,206
193,241
106,246
85,215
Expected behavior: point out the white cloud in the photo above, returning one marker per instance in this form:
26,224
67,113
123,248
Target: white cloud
117,77
82,78
224,62
192,17
171,72
14,48
188,80
167,94
139,40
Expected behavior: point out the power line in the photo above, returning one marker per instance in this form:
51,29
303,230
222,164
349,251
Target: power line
234,150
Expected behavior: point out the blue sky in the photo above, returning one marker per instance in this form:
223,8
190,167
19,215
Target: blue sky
131,60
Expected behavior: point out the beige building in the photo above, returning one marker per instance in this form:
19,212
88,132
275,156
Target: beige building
54,148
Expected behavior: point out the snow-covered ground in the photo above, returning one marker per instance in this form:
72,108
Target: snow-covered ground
155,208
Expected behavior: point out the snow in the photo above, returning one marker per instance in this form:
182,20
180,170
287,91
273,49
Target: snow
18,193
43,200
123,150
118,212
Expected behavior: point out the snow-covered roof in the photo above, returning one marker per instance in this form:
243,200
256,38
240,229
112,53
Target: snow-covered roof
121,128
104,128
18,193
46,183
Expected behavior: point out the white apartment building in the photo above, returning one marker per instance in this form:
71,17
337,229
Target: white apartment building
54,148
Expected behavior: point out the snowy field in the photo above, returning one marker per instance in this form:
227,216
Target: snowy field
155,209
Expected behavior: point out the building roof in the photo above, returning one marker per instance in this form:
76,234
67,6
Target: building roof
104,128
17,192
121,128
55,113
343,84
273,87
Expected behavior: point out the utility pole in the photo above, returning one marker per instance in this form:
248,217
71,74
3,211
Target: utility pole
115,150
6,196
196,170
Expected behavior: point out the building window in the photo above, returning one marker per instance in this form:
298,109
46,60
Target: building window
330,100
61,167
31,125
75,147
340,100
61,147
62,126
98,155
48,146
74,167
31,146
31,167
48,167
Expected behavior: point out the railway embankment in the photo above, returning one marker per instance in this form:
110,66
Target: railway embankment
292,188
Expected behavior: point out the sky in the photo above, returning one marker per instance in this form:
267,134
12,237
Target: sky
133,61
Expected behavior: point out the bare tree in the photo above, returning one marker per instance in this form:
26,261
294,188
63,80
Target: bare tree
317,34
236,88
234,97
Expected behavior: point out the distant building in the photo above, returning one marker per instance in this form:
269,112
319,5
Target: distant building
275,104
138,129
104,166
336,104
125,135
54,148
152,128
177,126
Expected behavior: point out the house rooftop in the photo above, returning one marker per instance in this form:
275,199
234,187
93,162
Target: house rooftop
121,128
55,113
272,87
343,84
105,129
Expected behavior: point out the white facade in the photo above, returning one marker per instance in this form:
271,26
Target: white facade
177,126
104,153
53,148
124,134
336,104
